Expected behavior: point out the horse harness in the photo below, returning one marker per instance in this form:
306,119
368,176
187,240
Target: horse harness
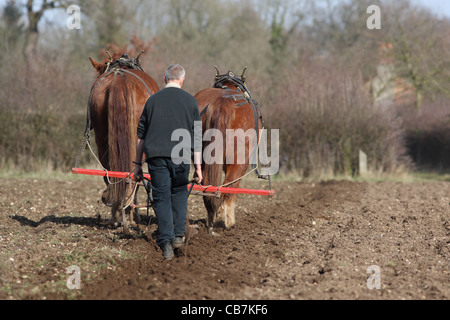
241,99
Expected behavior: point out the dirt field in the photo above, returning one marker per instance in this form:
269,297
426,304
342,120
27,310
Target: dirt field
310,241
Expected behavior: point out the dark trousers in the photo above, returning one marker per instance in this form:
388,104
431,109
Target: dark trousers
170,196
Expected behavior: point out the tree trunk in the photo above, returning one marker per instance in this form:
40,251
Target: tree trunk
419,99
31,37
30,50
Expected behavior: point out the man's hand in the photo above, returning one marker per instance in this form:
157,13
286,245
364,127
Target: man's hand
198,174
198,166
138,174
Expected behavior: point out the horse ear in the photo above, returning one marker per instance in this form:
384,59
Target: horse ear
243,73
95,64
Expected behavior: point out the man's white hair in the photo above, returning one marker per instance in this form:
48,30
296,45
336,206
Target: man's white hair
175,72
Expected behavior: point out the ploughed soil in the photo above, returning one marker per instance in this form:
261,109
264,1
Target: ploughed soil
310,241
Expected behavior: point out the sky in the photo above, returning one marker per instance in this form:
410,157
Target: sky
439,7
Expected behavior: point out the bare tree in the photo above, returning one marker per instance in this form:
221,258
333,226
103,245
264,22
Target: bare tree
12,29
284,18
32,31
420,45
112,20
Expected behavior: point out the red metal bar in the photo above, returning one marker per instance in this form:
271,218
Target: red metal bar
212,189
102,173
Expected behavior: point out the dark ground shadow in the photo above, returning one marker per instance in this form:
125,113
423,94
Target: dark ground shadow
82,221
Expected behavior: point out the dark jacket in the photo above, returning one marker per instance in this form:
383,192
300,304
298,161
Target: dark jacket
166,111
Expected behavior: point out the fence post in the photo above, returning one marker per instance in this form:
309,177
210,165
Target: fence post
362,163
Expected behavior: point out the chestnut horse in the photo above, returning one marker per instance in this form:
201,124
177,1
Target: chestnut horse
227,105
115,105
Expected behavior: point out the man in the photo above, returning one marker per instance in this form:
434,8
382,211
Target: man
165,112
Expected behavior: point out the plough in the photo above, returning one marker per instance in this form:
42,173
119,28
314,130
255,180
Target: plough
202,190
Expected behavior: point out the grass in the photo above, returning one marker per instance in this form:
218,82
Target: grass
431,176
45,174
415,176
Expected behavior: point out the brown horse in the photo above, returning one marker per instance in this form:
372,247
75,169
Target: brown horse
117,99
227,105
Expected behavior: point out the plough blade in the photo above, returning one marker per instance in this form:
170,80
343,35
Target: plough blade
204,189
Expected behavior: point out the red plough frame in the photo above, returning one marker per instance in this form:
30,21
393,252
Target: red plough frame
205,189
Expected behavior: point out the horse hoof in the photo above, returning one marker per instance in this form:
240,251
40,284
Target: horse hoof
215,234
229,227
137,219
133,224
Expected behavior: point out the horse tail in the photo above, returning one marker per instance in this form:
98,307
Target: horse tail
219,116
122,137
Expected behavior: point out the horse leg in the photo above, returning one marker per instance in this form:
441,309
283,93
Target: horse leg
221,212
213,207
103,156
114,220
105,194
228,206
125,222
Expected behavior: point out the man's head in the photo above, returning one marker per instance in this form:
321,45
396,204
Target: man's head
175,73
